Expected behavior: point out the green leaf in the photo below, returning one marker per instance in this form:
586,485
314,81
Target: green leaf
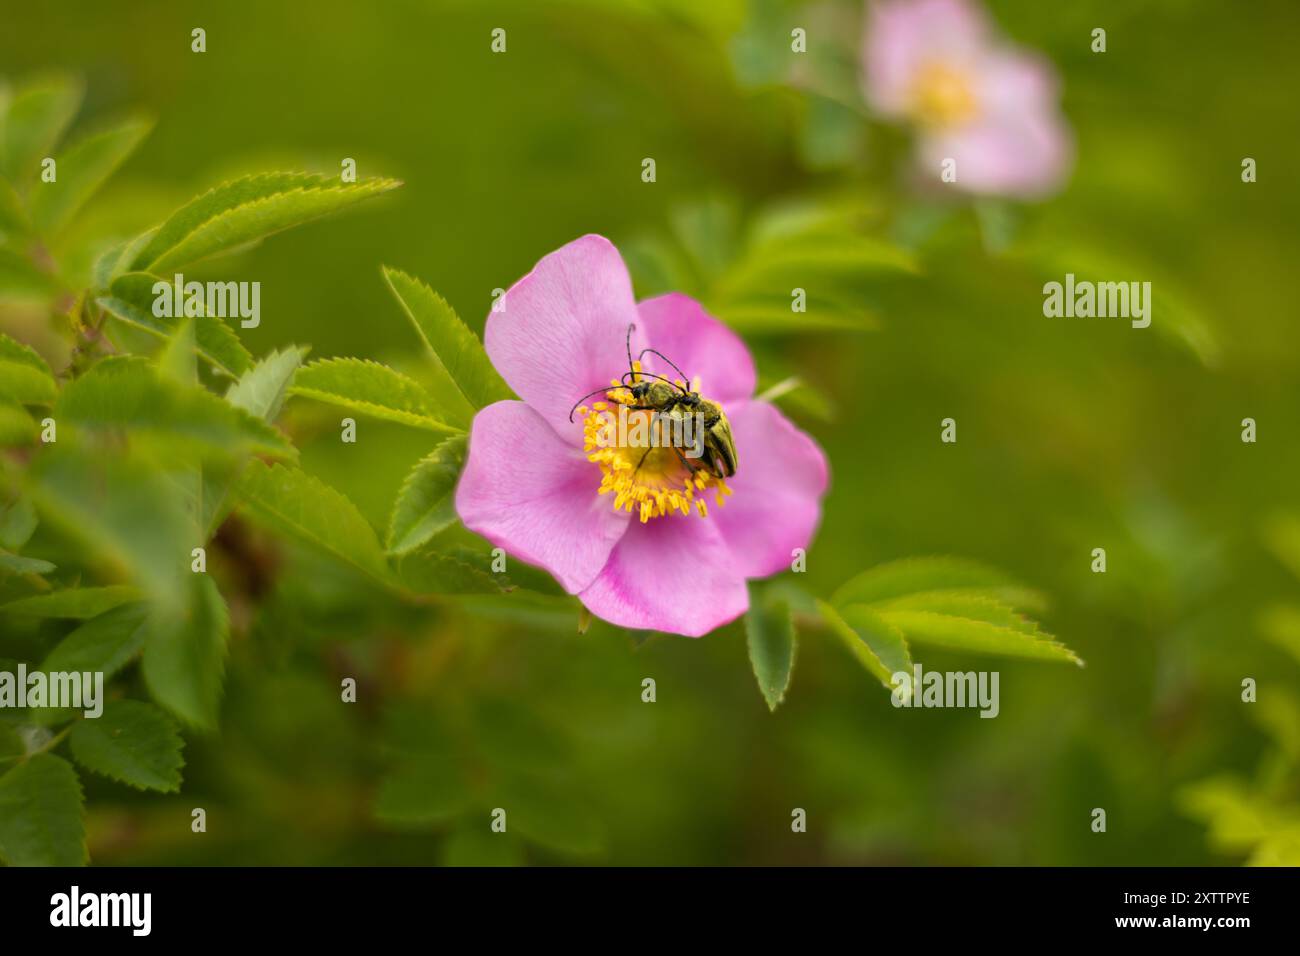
21,280
773,315
295,503
247,209
456,570
475,844
125,392
36,117
457,353
11,743
879,646
1280,623
747,279
426,792
176,360
1237,818
1282,536
261,390
132,742
216,503
13,219
184,655
758,50
426,502
17,564
794,393
116,260
16,426
833,134
128,514
75,603
769,631
512,736
1020,599
840,256
1174,311
961,603
104,643
24,376
709,232
910,575
951,602
131,301
371,389
214,202
550,814
657,265
40,814
82,170
982,627
17,523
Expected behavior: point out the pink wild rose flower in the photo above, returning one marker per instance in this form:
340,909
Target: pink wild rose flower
973,97
642,535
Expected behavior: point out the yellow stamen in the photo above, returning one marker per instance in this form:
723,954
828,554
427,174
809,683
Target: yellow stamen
647,479
943,96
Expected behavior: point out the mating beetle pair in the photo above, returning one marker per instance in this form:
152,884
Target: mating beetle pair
665,397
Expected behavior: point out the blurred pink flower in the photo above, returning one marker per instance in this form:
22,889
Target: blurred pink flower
533,484
974,98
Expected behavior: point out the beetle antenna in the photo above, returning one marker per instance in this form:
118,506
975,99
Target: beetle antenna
585,397
685,378
631,326
661,378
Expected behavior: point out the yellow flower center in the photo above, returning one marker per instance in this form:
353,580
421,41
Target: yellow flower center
943,96
640,465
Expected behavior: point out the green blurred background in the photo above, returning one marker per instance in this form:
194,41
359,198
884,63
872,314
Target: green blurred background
1073,434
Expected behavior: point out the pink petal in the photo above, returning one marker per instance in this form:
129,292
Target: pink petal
699,345
532,493
1026,155
904,36
1012,82
776,502
672,574
1020,145
562,329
